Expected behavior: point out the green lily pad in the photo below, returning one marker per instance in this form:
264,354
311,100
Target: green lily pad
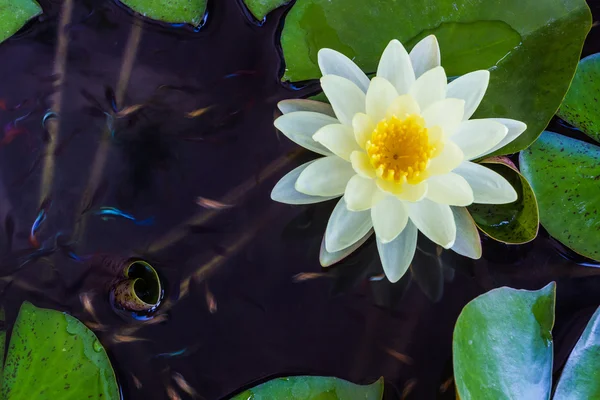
581,106
514,223
170,11
54,356
260,8
502,345
14,14
580,378
313,388
565,176
530,47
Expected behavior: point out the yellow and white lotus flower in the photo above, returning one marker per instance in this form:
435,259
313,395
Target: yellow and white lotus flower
398,148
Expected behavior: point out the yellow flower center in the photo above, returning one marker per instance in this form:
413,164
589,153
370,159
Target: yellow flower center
400,149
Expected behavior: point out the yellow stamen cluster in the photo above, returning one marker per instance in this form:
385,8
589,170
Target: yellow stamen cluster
400,149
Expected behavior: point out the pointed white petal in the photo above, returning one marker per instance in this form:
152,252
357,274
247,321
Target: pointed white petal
477,136
451,189
293,105
425,55
471,88
395,66
345,97
285,191
346,227
488,186
397,255
359,193
363,127
450,158
447,114
468,242
300,126
362,165
515,129
327,176
430,87
389,218
434,220
380,95
337,138
333,62
327,259
403,106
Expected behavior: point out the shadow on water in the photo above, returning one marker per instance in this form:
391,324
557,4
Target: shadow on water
233,313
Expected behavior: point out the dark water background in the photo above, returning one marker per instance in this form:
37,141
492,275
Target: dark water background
266,324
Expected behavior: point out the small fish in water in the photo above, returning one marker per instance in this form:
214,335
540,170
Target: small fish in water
86,302
408,388
240,73
127,339
212,204
172,393
211,302
107,212
446,385
377,278
399,356
198,112
48,116
129,110
41,217
11,132
306,276
136,382
183,385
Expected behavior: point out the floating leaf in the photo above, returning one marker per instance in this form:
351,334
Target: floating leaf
54,356
170,11
513,223
14,14
581,106
502,345
531,47
580,378
140,290
565,176
313,388
260,8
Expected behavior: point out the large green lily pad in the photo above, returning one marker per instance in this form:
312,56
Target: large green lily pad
514,223
260,8
531,47
52,356
313,388
565,176
14,14
581,106
170,11
502,345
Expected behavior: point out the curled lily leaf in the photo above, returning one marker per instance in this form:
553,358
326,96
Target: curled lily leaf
140,290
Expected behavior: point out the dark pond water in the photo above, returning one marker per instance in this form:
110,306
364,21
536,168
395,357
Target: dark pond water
266,324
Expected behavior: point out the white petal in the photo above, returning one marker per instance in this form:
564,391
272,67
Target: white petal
362,165
397,255
450,158
337,138
285,191
395,66
300,126
430,87
363,127
477,136
359,193
293,105
488,186
434,220
389,218
327,176
333,62
447,114
380,95
345,97
468,242
451,189
414,192
471,88
346,227
327,259
515,129
425,55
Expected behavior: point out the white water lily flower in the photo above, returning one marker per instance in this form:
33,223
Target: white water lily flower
398,148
